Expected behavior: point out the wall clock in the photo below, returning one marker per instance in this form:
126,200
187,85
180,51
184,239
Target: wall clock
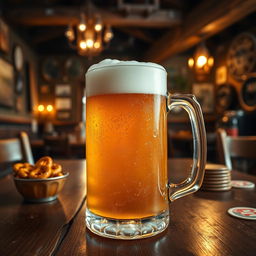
248,93
226,98
242,55
18,58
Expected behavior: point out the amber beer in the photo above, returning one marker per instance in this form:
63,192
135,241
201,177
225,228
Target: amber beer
126,155
126,149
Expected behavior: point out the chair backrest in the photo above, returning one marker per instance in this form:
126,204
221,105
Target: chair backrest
233,147
16,149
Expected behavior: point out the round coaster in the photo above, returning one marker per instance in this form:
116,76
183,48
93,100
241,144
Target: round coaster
216,189
214,167
217,176
217,170
246,213
242,184
225,179
216,182
220,184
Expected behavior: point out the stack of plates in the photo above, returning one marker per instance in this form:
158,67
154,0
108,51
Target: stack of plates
217,178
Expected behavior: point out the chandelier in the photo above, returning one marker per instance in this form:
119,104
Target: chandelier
90,36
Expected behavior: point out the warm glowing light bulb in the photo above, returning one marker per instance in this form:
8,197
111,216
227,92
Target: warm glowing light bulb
98,27
82,27
89,43
82,45
191,62
96,45
40,108
201,61
70,33
49,108
108,34
210,61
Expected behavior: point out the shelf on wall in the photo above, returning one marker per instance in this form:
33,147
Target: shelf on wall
15,119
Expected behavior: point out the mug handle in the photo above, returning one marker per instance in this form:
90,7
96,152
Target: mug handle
194,181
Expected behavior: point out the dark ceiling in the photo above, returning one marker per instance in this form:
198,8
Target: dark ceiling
43,23
151,30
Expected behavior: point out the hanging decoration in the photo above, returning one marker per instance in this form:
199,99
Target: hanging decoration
90,36
202,62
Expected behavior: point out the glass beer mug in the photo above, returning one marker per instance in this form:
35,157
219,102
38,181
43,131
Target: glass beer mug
128,192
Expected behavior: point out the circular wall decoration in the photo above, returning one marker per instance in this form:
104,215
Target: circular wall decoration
51,69
18,57
73,68
226,98
248,93
242,55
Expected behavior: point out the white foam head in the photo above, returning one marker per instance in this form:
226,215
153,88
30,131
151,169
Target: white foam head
115,77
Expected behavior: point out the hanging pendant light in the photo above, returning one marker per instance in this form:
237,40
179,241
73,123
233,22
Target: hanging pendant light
202,62
90,36
70,33
82,24
108,34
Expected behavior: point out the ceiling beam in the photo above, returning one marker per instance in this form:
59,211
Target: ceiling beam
206,20
46,35
137,33
65,15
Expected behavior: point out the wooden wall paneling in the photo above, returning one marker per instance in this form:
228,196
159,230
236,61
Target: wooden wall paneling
12,115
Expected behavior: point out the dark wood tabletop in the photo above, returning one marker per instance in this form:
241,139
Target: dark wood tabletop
199,223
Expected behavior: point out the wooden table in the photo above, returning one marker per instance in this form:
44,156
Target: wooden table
199,224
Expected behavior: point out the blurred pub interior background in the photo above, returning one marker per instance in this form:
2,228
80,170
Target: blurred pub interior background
207,47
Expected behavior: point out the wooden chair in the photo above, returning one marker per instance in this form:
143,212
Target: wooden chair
57,146
235,147
13,150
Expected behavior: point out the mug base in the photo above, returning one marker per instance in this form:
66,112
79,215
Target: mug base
126,229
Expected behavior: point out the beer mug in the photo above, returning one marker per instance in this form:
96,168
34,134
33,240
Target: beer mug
128,192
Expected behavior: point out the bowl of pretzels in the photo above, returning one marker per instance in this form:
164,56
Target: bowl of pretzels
40,182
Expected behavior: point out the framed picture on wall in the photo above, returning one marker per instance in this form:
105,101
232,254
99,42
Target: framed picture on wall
63,90
221,75
6,84
63,103
63,115
4,37
204,93
44,88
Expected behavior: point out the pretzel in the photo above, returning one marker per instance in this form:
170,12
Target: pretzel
41,172
44,161
56,170
43,169
22,169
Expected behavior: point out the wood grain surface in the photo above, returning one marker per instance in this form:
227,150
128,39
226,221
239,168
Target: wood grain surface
199,223
36,229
